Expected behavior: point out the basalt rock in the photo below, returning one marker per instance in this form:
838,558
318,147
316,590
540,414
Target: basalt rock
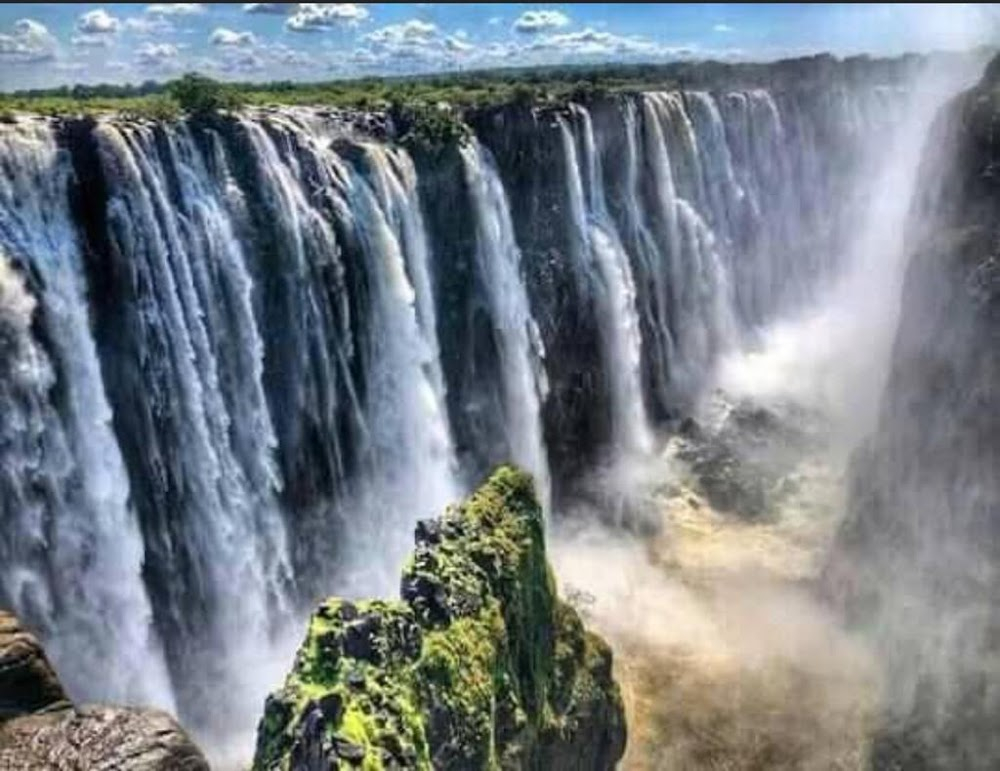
479,666
917,564
41,729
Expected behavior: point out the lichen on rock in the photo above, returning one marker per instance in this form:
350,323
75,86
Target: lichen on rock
479,666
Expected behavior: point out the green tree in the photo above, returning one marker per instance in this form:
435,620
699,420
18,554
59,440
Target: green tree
200,95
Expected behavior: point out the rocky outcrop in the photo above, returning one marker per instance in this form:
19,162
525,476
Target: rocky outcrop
918,561
480,665
41,729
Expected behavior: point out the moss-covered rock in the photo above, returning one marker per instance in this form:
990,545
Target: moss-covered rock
480,666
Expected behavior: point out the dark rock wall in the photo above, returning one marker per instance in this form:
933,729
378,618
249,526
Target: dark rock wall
918,563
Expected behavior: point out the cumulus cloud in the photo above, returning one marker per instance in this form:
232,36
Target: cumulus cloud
235,61
92,41
175,9
412,31
493,21
156,55
412,41
229,38
319,17
29,41
290,57
458,45
152,25
594,43
98,22
276,9
722,28
533,22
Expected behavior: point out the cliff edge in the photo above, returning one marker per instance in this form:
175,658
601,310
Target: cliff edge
479,666
917,565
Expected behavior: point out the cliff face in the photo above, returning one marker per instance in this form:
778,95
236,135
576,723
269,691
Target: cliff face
479,666
40,728
918,563
251,347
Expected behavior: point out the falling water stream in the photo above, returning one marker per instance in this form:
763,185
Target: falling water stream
227,354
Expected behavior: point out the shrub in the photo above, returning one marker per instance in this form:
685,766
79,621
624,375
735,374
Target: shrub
200,95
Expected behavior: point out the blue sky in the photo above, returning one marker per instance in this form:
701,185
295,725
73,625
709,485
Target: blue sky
50,44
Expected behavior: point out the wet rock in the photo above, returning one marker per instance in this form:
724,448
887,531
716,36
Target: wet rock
41,729
917,561
27,681
480,666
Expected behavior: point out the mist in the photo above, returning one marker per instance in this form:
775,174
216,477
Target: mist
733,649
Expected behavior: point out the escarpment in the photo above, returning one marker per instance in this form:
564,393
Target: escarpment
918,560
243,352
480,665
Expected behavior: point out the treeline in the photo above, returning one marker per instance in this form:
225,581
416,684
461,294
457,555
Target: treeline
196,93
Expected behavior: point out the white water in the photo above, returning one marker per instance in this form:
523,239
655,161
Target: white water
521,352
619,321
412,454
834,356
271,261
198,304
65,493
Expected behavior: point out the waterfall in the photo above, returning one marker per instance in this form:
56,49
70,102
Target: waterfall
521,351
72,554
690,275
210,450
411,441
243,357
597,239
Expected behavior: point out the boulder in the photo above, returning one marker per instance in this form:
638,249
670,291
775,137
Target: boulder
41,729
480,665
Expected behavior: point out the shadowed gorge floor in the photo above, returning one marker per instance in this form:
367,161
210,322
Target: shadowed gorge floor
727,659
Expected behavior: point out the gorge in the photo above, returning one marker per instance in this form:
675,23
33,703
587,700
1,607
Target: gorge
243,354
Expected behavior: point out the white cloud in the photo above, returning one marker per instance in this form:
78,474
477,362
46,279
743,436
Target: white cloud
92,41
412,31
593,43
412,42
227,37
155,25
723,28
29,41
318,17
156,55
533,22
290,57
493,21
457,45
98,22
276,9
175,9
236,61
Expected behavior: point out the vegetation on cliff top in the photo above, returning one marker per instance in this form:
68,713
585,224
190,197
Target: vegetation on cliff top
480,666
463,90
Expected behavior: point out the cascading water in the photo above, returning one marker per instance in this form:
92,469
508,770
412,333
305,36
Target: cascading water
411,443
599,245
229,353
72,554
205,428
521,351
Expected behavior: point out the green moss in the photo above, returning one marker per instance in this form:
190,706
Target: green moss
480,667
